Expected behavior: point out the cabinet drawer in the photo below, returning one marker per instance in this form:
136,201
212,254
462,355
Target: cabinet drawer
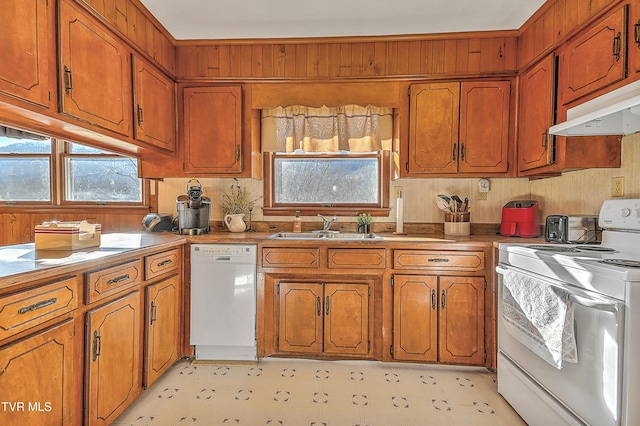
160,263
290,257
27,309
108,281
357,258
453,260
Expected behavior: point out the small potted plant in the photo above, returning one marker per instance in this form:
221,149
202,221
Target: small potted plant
364,223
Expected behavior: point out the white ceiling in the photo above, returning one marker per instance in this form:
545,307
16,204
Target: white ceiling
239,19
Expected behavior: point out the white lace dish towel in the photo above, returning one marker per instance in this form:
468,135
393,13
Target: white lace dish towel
540,316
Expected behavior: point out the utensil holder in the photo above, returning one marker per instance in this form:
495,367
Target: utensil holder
457,223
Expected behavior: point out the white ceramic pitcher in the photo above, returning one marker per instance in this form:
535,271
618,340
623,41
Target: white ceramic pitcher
235,222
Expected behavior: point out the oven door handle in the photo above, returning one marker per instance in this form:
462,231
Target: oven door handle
590,303
501,269
580,300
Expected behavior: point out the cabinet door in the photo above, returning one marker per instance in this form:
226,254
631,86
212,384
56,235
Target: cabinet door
433,128
162,328
484,127
154,105
95,72
113,358
461,331
634,40
300,317
415,318
594,59
212,129
537,101
346,325
26,46
37,378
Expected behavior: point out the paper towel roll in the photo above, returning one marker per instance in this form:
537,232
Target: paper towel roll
399,215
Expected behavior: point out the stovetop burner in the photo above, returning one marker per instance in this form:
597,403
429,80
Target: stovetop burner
622,262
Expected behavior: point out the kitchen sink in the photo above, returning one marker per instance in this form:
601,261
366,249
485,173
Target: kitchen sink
324,235
353,236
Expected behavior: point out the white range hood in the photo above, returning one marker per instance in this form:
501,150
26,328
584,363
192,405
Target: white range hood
614,113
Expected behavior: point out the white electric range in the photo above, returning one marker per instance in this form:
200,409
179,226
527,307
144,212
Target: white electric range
569,325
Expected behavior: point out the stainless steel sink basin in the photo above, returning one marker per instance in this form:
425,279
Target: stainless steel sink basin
297,235
353,236
324,235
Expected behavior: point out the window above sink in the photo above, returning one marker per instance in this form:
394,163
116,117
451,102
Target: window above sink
344,184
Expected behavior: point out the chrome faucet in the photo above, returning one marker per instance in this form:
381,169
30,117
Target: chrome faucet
326,222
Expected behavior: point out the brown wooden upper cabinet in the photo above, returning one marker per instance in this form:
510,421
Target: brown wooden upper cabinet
26,43
595,58
634,40
154,106
542,154
212,129
459,128
94,72
536,115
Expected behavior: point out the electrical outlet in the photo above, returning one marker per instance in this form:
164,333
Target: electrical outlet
397,191
617,187
481,195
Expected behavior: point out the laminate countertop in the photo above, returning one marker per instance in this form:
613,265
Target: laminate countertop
16,261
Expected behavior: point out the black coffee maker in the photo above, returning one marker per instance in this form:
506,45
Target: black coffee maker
194,210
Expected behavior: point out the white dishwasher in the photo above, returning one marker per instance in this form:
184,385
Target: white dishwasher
223,301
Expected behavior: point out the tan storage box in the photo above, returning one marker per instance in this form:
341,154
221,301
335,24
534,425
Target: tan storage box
67,235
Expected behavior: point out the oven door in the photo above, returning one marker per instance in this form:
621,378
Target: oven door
591,388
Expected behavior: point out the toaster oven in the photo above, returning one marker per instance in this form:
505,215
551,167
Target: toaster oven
571,229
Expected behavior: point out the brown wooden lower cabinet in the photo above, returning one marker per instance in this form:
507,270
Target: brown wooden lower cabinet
112,358
324,318
162,328
438,319
37,378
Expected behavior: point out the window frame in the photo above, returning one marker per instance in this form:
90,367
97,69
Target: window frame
381,209
60,149
67,153
53,196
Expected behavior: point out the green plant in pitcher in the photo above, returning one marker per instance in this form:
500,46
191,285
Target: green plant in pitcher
237,200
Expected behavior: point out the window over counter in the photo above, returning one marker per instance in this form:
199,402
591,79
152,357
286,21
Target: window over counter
327,183
40,170
96,176
329,160
25,167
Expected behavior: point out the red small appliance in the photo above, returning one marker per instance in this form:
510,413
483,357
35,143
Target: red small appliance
520,219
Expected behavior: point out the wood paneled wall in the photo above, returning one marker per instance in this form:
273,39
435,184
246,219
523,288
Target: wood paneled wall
437,55
18,228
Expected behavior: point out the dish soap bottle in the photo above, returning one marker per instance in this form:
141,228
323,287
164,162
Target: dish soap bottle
297,222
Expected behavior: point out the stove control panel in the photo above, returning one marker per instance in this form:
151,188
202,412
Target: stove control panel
621,214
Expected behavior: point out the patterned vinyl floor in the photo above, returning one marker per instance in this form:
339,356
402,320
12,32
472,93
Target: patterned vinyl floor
295,392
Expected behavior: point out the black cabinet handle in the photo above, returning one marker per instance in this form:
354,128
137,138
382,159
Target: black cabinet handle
97,345
118,279
37,305
68,80
617,46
